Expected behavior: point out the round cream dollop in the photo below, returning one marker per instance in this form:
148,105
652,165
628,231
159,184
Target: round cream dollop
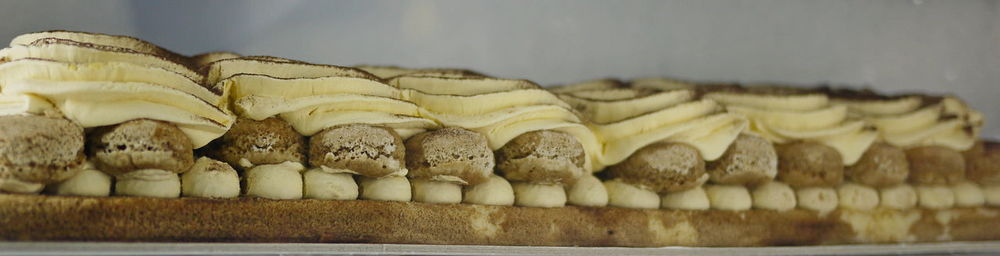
624,195
729,197
899,197
149,183
436,192
88,182
13,185
935,196
991,194
495,191
538,195
210,178
321,184
391,188
275,181
968,194
857,197
691,199
588,191
818,199
774,196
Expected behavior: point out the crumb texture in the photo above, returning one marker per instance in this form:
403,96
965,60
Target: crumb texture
40,149
42,218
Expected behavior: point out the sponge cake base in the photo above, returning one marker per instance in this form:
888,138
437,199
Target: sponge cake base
59,218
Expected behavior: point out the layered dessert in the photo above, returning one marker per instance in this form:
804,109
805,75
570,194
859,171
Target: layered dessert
111,138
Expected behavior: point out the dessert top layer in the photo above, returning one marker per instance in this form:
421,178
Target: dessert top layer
99,83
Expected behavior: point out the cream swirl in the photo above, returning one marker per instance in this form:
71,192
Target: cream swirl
792,117
911,121
500,109
313,97
123,42
628,119
96,86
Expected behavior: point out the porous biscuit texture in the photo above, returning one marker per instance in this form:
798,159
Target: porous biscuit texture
450,153
268,141
663,167
750,159
882,165
545,156
372,151
935,165
140,144
40,149
806,164
983,163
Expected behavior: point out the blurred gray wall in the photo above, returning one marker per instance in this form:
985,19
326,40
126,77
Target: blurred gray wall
893,46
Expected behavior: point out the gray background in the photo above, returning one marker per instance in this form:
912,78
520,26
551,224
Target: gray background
893,46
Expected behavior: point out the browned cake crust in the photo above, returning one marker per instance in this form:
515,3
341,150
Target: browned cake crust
60,218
